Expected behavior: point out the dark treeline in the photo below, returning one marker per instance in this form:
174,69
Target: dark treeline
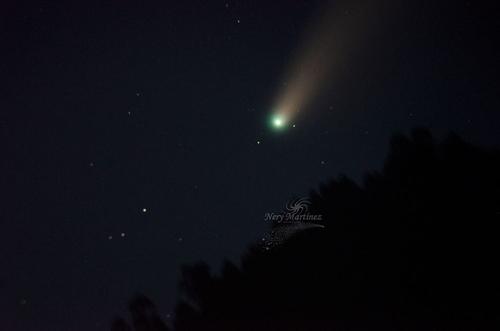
415,247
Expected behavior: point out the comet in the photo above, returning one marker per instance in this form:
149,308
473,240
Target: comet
278,121
323,48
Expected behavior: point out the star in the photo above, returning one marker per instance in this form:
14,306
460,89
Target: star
144,210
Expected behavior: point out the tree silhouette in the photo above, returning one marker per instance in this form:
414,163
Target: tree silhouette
412,248
144,317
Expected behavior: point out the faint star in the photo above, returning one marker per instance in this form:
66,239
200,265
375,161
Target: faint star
91,164
238,21
258,142
110,237
122,235
180,239
323,162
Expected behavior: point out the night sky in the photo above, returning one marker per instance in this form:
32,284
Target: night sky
135,134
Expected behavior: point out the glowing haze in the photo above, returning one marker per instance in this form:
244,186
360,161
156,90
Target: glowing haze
323,48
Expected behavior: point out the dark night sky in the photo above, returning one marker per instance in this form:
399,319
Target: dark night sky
111,107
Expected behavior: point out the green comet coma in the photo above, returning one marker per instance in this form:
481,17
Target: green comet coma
277,122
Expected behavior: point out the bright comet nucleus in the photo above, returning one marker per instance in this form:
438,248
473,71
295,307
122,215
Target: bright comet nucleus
278,122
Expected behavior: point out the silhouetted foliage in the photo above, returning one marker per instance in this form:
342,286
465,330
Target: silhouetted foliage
144,317
413,248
